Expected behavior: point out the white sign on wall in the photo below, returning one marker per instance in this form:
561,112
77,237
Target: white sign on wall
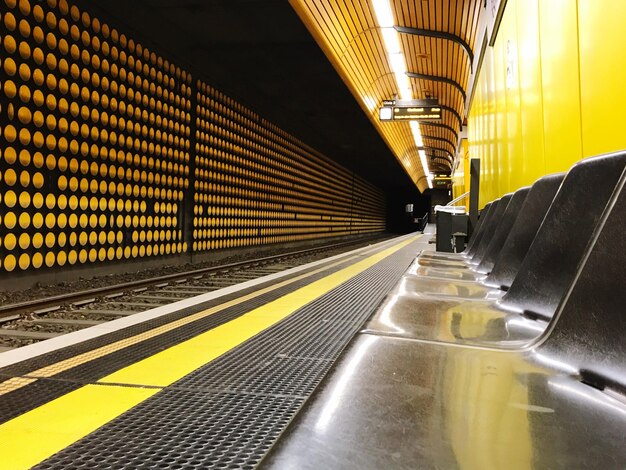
511,64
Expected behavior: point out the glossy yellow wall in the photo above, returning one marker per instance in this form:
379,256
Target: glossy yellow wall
550,91
461,179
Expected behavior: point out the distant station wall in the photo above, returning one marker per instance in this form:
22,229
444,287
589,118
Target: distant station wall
110,152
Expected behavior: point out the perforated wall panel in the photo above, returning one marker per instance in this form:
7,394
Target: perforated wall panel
111,152
255,184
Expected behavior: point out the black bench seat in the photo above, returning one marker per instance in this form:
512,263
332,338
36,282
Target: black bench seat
508,249
558,403
540,285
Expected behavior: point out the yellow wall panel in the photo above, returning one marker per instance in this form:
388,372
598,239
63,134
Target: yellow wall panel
602,40
476,128
550,91
490,154
500,168
461,178
530,163
493,148
466,166
513,173
560,84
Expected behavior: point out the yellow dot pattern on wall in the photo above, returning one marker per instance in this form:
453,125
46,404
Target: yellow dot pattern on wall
255,184
95,141
109,152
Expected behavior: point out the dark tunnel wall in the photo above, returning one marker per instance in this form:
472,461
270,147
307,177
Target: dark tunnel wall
398,220
110,152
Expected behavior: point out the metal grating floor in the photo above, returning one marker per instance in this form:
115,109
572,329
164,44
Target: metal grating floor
42,391
228,413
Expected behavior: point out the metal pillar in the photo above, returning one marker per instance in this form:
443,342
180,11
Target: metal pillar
474,190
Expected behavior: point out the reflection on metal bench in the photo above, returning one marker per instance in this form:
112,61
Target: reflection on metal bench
558,402
540,284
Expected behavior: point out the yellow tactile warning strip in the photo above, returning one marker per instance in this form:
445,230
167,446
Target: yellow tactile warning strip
36,435
51,370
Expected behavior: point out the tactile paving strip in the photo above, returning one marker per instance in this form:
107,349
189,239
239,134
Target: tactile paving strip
24,367
228,413
29,397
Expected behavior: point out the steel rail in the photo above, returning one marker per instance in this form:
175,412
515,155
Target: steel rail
11,311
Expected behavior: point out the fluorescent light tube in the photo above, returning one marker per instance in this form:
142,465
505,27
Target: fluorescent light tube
384,15
391,40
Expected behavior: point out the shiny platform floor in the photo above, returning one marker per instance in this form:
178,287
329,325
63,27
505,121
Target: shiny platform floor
210,382
419,390
403,404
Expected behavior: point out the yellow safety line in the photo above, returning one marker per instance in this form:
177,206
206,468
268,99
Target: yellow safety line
40,433
36,435
16,383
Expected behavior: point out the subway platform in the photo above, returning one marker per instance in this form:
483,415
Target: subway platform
208,382
390,355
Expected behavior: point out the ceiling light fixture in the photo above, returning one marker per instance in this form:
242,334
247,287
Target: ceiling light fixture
417,135
384,18
391,40
419,142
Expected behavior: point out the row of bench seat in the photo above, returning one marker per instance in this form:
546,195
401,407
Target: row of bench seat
509,355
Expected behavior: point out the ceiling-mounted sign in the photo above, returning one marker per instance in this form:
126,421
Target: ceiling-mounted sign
410,110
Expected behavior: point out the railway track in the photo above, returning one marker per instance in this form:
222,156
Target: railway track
39,319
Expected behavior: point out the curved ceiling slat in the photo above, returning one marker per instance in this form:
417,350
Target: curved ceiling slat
347,32
436,140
